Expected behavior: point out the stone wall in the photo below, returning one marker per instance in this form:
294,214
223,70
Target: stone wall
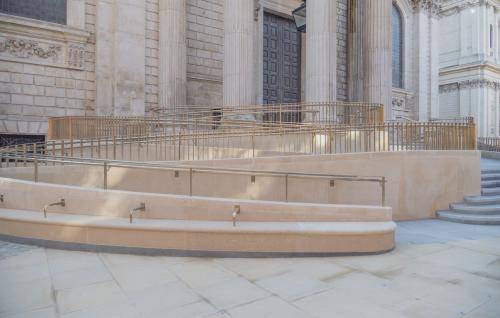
205,42
45,70
33,88
469,81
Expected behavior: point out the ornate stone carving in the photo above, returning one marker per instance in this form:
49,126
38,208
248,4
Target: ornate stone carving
475,83
26,49
433,7
257,6
75,55
448,88
455,7
398,102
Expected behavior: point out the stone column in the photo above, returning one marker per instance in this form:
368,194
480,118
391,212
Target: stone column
321,46
172,53
377,55
239,52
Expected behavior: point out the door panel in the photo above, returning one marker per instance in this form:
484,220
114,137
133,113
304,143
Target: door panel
281,62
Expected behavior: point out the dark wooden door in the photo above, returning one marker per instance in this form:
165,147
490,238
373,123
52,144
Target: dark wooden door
281,60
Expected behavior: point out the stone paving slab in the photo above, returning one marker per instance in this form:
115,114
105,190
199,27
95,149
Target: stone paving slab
438,269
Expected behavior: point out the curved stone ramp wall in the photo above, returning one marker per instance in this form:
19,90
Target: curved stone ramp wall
419,183
94,219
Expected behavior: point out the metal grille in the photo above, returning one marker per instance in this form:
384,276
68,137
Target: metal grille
44,10
11,140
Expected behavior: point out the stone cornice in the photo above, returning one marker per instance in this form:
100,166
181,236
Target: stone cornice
486,66
40,29
433,7
454,7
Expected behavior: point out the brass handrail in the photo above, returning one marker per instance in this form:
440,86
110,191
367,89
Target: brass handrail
192,169
62,203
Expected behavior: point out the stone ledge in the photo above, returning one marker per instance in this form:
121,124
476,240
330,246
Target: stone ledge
255,237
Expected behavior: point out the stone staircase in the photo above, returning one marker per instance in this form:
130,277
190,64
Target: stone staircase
483,209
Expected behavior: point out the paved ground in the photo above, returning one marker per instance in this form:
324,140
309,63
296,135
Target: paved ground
438,269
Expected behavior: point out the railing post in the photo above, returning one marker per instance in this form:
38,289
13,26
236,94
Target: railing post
253,142
179,144
24,155
35,167
190,181
105,175
286,187
383,190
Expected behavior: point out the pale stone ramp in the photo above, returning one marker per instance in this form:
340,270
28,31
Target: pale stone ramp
438,269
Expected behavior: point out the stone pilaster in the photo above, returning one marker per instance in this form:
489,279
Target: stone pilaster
321,58
172,53
377,43
120,57
239,52
426,37
355,47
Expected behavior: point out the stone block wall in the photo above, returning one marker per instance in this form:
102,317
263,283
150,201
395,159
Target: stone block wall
205,51
34,86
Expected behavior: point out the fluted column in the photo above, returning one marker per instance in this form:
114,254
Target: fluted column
238,52
172,53
377,80
321,57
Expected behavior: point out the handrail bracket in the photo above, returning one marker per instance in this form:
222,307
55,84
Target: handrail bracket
236,212
61,203
140,208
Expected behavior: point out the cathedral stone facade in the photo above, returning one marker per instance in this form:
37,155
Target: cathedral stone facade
469,82
421,58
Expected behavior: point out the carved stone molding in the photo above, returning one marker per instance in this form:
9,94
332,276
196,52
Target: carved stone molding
76,55
448,88
51,53
27,49
460,6
475,83
256,6
432,7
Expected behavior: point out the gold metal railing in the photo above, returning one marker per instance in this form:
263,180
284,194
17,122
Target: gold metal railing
488,144
37,160
215,117
182,143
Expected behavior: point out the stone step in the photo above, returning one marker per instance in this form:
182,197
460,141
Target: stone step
482,200
468,218
490,191
197,237
490,184
493,209
490,176
490,170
